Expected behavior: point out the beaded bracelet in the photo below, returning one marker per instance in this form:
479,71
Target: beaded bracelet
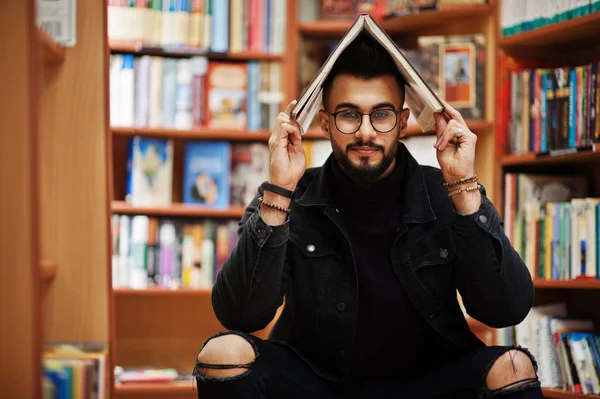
461,181
460,190
273,206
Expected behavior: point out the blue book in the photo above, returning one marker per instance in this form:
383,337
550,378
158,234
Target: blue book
220,26
572,108
253,89
598,242
207,173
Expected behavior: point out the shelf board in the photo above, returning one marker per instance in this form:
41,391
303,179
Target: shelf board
573,33
414,22
160,291
568,284
560,394
48,270
52,52
180,210
139,49
205,134
139,388
591,154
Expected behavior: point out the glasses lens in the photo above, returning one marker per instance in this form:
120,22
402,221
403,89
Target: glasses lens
348,121
383,120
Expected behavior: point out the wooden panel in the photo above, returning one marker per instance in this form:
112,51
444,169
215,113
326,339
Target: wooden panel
51,51
569,158
568,285
163,330
19,285
560,394
73,186
177,209
575,33
176,390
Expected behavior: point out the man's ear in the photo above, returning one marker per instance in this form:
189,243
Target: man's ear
403,121
324,121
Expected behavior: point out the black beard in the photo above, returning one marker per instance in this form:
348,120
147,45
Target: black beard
364,175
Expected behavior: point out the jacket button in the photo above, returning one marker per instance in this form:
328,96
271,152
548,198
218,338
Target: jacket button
443,253
341,306
483,219
262,234
310,248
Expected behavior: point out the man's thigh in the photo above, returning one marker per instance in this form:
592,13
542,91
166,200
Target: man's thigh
277,372
462,378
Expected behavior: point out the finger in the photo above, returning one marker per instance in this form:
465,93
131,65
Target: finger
290,130
448,134
296,136
454,114
290,106
440,124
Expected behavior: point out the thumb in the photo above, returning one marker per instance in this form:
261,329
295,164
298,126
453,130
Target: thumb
440,123
290,106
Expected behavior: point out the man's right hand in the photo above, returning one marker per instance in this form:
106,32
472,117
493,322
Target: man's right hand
288,161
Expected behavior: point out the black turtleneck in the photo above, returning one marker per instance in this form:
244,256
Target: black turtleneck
390,335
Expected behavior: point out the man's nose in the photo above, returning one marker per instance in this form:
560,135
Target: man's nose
366,132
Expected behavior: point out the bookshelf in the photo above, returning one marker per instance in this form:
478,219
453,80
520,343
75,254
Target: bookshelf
168,335
54,230
569,43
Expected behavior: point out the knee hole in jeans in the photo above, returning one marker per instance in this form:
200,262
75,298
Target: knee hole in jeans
514,370
225,356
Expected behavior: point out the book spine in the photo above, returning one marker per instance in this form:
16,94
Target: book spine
168,246
220,26
572,114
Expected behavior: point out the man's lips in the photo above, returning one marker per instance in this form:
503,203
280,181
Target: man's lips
365,150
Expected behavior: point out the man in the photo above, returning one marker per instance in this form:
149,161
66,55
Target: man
368,253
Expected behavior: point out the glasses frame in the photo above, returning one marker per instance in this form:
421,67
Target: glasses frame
335,114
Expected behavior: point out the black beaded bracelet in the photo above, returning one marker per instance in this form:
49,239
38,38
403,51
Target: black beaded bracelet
276,189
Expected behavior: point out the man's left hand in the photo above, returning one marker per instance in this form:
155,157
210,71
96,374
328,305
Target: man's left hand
455,146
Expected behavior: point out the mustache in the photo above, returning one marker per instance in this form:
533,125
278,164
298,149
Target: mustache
369,144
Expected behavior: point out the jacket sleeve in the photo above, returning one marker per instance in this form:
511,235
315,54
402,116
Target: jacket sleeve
249,288
493,281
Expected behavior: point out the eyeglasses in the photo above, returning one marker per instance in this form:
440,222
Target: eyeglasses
348,121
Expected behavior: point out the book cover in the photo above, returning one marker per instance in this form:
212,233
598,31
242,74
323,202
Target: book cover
207,174
249,168
227,91
150,172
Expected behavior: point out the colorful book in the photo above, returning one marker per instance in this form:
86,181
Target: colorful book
206,174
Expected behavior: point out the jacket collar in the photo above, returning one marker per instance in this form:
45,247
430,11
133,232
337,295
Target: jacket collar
416,201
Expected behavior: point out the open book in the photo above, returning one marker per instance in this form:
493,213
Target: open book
420,99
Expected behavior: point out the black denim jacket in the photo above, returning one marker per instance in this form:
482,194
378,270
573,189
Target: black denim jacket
309,261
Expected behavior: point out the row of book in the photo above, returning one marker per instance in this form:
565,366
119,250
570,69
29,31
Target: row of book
74,371
213,25
517,16
553,226
567,350
167,253
554,109
348,9
216,174
187,93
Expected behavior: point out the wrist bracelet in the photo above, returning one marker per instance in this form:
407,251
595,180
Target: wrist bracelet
460,181
273,206
276,189
460,190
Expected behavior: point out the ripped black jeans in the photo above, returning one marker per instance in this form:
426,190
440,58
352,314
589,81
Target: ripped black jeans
278,372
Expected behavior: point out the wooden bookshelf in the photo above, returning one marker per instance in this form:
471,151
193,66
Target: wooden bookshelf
52,52
162,292
205,134
560,394
576,32
156,388
588,155
48,271
180,52
178,210
568,284
431,21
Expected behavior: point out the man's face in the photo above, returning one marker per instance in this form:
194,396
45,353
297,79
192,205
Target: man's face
367,154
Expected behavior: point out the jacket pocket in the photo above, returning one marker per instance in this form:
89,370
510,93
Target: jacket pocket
432,260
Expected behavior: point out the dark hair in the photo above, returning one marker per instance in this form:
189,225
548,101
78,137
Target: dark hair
364,58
